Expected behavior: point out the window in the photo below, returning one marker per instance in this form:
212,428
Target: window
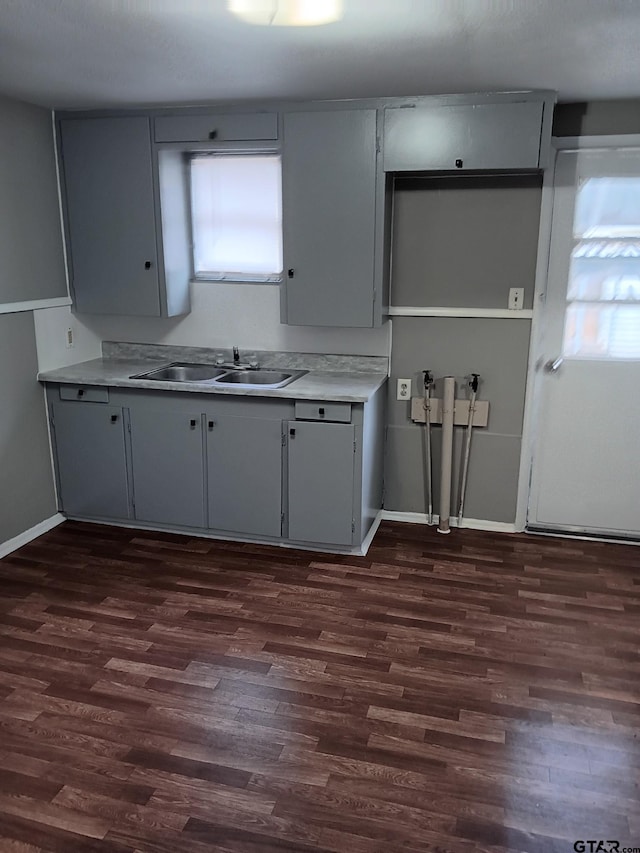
603,310
236,217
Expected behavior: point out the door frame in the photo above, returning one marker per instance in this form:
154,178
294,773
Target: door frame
536,355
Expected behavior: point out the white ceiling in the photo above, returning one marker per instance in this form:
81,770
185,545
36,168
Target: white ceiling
99,53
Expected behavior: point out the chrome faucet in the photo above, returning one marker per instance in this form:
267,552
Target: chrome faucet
252,364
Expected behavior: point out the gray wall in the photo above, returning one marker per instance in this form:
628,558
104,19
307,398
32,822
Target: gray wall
597,118
26,483
463,242
31,267
463,234
31,254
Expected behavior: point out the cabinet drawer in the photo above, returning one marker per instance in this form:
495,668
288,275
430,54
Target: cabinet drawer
84,393
463,137
313,410
216,127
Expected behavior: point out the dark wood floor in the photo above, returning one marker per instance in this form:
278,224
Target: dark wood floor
476,692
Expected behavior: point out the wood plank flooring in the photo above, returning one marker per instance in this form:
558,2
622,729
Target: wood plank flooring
476,692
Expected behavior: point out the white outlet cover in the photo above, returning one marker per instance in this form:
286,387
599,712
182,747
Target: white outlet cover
403,389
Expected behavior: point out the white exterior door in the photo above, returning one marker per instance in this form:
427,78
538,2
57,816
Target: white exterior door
586,459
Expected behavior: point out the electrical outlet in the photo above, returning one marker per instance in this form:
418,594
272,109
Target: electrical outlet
516,298
69,338
404,389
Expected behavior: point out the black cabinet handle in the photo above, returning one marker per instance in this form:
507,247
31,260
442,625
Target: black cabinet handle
292,433
193,423
213,134
321,411
147,265
459,164
211,424
291,272
114,419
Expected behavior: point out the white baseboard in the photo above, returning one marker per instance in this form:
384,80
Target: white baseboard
470,523
368,539
31,534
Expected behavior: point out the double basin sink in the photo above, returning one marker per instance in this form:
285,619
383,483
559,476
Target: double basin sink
237,377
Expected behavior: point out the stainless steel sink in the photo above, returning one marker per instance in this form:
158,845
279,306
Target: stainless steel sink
259,378
180,372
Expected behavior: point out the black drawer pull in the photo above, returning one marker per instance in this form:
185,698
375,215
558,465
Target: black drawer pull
147,265
292,433
459,164
213,134
321,411
114,419
193,423
291,272
211,424
81,392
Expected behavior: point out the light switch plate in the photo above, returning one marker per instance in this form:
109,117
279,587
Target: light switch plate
516,298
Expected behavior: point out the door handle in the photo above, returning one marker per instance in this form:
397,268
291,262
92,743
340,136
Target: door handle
553,365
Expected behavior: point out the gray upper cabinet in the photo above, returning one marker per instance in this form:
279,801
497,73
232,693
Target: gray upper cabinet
166,461
110,215
216,127
244,459
89,443
460,137
329,175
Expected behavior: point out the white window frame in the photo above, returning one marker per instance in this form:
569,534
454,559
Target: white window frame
232,276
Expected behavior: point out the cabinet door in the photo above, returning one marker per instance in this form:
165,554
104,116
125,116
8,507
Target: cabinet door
245,475
329,210
321,482
463,137
233,127
110,215
91,460
168,466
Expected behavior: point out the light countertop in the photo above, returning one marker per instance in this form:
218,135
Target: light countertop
340,386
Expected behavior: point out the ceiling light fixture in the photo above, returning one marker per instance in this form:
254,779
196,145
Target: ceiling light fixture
287,13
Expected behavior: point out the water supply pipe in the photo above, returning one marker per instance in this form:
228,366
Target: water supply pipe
473,384
448,403
428,382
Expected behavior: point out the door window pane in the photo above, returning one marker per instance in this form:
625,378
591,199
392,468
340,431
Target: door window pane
603,293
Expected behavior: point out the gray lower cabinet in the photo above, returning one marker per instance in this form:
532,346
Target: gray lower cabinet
304,471
244,467
329,169
321,476
166,464
89,441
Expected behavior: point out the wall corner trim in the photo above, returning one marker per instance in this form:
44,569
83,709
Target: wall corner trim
469,523
11,545
33,305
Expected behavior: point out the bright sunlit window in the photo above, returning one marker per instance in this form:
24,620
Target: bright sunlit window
603,310
236,217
